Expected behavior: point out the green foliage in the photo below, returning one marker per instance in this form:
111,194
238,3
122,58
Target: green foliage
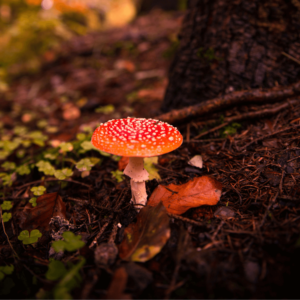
56,270
68,281
8,166
6,205
33,201
6,270
63,174
151,169
230,129
7,179
118,175
86,164
6,217
70,243
38,190
31,238
45,167
65,147
23,170
87,146
108,109
50,156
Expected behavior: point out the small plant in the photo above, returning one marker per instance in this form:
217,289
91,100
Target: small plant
108,109
6,205
33,201
6,217
118,175
6,270
38,190
29,238
230,129
70,243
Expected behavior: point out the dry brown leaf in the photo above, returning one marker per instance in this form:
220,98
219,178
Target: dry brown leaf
38,217
123,162
118,285
123,64
179,198
145,238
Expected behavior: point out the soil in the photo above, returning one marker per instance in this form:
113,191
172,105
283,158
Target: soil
246,246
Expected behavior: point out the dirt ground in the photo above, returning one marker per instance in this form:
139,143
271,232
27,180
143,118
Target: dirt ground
246,246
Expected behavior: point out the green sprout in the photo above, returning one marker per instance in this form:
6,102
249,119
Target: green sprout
45,167
7,179
63,174
65,147
8,166
23,170
118,175
86,164
230,129
70,243
6,217
38,190
6,270
33,201
6,205
31,238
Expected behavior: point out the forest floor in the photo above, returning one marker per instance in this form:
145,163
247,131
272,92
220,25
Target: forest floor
246,246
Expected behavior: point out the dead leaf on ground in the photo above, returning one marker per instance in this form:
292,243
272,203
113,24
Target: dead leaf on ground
38,217
70,112
145,238
123,162
118,285
179,198
196,161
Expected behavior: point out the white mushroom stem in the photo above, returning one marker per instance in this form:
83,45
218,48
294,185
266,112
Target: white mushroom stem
135,170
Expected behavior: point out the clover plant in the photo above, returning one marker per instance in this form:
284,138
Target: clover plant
6,205
70,243
6,217
6,270
29,238
38,190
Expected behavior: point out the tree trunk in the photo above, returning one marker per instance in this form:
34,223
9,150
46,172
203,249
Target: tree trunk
231,45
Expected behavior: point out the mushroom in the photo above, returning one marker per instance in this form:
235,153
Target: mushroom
136,138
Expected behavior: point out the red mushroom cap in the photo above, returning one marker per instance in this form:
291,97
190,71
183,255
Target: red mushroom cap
136,137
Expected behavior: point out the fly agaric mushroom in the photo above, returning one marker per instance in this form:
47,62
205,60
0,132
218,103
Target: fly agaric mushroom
136,138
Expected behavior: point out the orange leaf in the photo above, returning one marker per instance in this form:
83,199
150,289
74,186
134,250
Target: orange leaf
179,198
123,162
38,217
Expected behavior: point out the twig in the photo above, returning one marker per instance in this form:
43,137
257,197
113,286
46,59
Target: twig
52,179
12,248
291,57
187,220
271,110
267,136
241,97
268,210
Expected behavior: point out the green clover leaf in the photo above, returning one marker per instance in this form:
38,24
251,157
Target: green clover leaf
80,136
7,179
45,167
6,217
20,130
86,164
118,175
23,170
70,243
6,205
50,156
33,201
87,145
4,154
8,166
6,270
63,174
31,238
38,190
66,147
56,270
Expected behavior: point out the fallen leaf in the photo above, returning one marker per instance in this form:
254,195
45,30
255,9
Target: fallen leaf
196,161
145,238
179,198
149,166
38,217
123,162
118,285
224,213
123,64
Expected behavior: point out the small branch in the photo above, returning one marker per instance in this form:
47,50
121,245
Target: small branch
52,179
12,248
236,98
267,136
291,57
187,220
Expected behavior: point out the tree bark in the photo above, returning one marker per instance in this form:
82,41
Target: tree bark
232,45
